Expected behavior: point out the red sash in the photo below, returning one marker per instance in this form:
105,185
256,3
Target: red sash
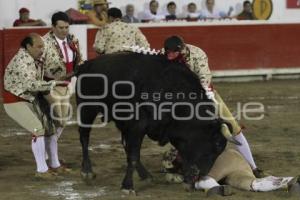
11,98
69,67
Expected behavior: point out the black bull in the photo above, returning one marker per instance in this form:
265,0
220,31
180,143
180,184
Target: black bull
137,112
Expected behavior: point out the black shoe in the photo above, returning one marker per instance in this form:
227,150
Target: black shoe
259,173
222,190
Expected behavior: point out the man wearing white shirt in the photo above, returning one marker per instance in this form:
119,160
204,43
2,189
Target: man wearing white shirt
211,12
192,11
171,8
61,55
152,13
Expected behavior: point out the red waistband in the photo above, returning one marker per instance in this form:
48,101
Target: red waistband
69,67
11,98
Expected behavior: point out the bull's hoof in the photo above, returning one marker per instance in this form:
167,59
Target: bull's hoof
222,190
88,175
130,192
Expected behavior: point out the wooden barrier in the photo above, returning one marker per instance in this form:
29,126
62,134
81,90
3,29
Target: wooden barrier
91,33
240,47
1,60
229,46
233,46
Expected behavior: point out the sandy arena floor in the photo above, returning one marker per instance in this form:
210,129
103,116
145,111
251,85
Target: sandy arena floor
274,139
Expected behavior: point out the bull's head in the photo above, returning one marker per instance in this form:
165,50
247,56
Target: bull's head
199,144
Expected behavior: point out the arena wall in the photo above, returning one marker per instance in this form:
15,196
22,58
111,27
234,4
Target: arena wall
1,57
231,46
12,39
233,49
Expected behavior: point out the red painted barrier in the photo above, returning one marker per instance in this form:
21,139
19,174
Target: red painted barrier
1,60
12,40
236,46
233,46
91,34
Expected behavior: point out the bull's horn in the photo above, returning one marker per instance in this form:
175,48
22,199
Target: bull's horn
226,133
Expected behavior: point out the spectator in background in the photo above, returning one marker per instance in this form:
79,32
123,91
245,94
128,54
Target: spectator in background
192,11
246,14
171,8
98,16
152,13
211,12
116,35
24,19
129,17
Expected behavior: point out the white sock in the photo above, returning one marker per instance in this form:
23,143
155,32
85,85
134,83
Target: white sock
59,131
206,183
52,150
38,149
244,149
270,183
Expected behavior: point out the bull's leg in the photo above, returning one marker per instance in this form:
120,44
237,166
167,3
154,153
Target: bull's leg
127,184
87,116
132,147
86,165
141,170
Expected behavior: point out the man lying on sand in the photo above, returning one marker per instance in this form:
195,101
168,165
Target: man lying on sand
233,170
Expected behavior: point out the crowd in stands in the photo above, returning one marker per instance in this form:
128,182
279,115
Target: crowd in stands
210,11
98,13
